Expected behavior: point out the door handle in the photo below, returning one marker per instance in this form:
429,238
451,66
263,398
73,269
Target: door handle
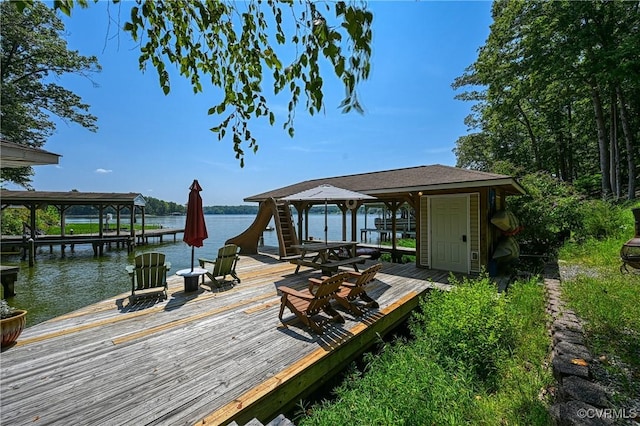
464,238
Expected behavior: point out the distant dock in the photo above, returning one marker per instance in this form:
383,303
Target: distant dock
142,239
98,242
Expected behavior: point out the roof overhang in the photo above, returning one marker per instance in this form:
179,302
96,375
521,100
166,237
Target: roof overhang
508,183
409,181
13,155
71,198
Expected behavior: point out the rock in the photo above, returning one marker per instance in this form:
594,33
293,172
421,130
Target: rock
562,366
583,390
570,336
565,324
577,413
573,350
570,316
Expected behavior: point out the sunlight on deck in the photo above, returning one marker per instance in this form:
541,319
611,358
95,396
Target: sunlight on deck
207,357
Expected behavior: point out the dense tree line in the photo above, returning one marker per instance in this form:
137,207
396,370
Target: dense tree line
156,207
33,55
248,209
557,89
162,208
153,207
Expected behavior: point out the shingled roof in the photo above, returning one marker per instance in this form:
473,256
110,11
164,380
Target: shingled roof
8,197
421,178
14,155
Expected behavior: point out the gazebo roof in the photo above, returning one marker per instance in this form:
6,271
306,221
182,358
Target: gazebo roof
8,197
388,182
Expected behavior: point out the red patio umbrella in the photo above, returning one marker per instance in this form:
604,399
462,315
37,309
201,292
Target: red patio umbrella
195,230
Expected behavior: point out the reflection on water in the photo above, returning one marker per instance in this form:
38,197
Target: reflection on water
55,285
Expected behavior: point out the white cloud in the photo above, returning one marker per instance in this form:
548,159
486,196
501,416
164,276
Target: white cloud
102,171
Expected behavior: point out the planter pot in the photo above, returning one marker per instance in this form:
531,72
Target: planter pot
12,327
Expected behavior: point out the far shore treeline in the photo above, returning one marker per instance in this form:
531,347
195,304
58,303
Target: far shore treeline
156,207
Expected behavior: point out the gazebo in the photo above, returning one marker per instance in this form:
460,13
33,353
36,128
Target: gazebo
453,209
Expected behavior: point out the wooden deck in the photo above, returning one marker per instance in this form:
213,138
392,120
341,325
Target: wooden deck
200,358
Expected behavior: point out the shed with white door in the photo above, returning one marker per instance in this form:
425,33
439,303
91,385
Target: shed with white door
451,209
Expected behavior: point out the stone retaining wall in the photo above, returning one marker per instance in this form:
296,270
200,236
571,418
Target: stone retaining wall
579,399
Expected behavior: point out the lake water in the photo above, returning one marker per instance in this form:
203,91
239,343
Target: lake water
55,285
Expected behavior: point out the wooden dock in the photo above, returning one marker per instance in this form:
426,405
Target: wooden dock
203,358
98,241
157,233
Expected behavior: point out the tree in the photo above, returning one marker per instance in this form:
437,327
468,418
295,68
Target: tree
238,46
33,51
560,92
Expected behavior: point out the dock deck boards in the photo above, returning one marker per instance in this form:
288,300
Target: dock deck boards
196,358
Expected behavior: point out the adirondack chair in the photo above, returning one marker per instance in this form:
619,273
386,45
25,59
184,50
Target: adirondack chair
306,304
354,287
148,275
223,265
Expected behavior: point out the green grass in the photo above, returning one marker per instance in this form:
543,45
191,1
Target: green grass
401,242
477,357
609,303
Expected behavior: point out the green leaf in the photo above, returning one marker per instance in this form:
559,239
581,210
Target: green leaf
20,5
232,43
64,6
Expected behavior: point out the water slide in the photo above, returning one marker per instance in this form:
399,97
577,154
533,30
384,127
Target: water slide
248,240
285,231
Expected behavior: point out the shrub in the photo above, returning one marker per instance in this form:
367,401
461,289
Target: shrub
12,219
549,212
403,386
461,336
601,219
467,326
6,311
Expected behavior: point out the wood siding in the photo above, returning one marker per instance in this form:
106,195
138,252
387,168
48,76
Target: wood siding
424,232
474,228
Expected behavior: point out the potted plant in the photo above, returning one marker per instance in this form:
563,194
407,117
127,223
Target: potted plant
12,322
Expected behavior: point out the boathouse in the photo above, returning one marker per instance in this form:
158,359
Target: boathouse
131,202
453,210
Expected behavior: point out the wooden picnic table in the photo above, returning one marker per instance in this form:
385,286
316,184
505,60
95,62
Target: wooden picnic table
327,256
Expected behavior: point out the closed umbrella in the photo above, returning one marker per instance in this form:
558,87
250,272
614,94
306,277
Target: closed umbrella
327,193
195,230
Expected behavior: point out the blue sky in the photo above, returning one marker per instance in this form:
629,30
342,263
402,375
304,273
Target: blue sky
156,145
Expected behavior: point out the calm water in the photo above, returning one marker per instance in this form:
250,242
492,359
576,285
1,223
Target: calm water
55,286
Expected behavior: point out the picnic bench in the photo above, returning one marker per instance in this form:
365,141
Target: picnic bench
326,256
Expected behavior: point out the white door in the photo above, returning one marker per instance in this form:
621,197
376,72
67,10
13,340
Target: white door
449,234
